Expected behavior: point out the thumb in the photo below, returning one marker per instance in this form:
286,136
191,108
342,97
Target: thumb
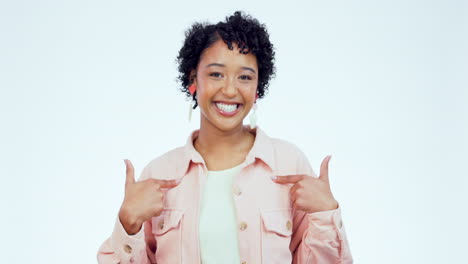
324,169
130,171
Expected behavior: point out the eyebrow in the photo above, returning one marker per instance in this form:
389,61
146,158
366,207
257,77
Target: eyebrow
222,65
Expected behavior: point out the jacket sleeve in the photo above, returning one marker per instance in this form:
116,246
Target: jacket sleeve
320,237
122,248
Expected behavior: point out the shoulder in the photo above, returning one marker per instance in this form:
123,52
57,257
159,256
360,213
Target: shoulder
290,159
164,166
284,147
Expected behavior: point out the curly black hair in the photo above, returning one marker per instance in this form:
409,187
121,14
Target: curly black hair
242,29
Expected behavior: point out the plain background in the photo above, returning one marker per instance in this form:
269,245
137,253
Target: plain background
380,85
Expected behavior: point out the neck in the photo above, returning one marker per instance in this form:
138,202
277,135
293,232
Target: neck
213,140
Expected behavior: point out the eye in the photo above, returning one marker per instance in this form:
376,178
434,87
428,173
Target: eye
215,74
246,77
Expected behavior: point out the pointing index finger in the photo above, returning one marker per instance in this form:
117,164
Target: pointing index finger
168,183
288,178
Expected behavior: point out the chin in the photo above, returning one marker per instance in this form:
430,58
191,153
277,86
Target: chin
227,126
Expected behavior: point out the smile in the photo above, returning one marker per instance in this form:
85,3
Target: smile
227,109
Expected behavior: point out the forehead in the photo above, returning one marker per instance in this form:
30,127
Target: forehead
220,53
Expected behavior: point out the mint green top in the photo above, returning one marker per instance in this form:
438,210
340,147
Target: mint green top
218,221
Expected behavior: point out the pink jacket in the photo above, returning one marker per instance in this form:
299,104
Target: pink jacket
270,231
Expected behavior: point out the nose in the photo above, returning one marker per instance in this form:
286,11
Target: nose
229,88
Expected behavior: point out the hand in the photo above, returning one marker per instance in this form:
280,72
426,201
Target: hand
310,194
142,201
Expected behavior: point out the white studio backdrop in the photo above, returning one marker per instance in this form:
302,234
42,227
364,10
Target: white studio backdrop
380,85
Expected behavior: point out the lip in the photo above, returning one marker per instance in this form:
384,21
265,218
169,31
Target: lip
226,114
227,102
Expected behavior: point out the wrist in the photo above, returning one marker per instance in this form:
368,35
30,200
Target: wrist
333,205
130,223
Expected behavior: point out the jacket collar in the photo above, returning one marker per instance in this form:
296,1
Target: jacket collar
261,149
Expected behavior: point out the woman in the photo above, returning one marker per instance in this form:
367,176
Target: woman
231,194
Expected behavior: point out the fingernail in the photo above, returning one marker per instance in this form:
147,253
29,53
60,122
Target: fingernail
178,180
274,177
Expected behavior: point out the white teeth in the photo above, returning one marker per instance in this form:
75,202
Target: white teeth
227,107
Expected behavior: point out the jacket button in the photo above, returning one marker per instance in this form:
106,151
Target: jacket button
161,224
128,249
237,190
243,226
289,225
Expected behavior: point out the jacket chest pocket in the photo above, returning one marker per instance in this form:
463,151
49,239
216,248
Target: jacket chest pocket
276,236
167,230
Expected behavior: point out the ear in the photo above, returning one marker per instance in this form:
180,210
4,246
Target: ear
193,75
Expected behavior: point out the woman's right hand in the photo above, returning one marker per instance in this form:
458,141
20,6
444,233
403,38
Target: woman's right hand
142,201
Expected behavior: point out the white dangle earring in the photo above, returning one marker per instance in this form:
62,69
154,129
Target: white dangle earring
190,112
253,116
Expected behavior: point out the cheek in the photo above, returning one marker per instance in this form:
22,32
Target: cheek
248,92
204,93
203,100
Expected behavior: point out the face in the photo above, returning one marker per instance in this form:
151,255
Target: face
226,83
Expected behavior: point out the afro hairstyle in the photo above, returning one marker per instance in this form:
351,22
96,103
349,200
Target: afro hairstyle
243,30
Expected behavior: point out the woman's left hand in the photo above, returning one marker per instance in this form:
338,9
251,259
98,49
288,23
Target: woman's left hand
310,194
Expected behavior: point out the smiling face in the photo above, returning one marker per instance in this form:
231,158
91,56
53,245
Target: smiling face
226,83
